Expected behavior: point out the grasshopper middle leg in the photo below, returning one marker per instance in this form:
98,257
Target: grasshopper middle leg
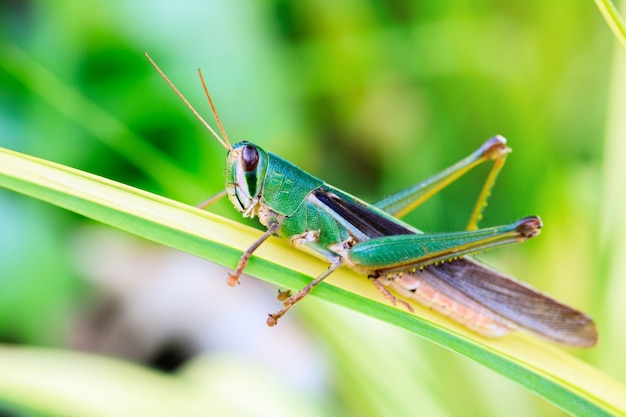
273,318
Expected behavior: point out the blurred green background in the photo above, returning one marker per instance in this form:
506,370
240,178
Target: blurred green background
371,96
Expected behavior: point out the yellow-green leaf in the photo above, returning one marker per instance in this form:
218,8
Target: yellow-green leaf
545,369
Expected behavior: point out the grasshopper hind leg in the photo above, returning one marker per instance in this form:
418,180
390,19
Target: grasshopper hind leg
404,201
428,288
388,295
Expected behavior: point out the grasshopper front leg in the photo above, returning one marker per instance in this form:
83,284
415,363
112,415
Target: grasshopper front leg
233,279
206,203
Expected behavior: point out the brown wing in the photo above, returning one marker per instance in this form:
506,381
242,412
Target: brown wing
515,302
506,297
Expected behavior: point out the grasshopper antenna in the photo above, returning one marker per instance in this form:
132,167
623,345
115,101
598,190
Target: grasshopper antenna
217,118
225,142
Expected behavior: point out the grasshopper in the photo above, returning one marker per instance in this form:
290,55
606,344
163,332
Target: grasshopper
435,269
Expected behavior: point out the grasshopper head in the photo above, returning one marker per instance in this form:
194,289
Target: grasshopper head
246,165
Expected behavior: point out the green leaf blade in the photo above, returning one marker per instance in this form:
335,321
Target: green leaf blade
545,369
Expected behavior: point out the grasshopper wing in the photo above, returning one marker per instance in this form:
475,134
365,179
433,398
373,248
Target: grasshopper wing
514,301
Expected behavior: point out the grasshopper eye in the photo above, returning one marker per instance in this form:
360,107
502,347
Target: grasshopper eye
249,158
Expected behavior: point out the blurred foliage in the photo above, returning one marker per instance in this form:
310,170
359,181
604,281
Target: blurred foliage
369,95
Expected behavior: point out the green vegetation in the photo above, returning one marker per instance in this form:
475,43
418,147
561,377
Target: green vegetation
369,96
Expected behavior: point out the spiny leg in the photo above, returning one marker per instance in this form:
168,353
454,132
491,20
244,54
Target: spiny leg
395,258
404,201
233,279
400,253
273,318
388,296
499,158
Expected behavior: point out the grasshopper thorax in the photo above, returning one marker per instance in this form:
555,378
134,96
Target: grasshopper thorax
246,166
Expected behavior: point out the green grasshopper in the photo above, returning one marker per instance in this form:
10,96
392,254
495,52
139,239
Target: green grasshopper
435,269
